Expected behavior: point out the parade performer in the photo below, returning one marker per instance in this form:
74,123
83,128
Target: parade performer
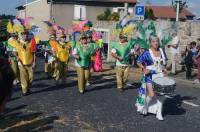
153,63
122,51
49,56
62,52
82,53
25,52
10,47
25,56
97,67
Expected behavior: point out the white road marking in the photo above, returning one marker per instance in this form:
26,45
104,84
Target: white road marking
128,84
169,97
189,103
185,102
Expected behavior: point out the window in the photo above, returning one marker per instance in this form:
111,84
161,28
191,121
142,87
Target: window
80,12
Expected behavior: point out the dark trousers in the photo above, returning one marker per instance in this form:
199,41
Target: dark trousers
188,71
198,66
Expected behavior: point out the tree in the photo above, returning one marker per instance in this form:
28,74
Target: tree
104,16
108,16
149,14
3,26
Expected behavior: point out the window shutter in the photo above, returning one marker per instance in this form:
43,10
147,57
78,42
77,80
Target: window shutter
80,12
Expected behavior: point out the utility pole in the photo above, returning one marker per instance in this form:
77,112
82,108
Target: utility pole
178,2
51,10
125,9
26,1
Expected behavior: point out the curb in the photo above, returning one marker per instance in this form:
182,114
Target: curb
187,82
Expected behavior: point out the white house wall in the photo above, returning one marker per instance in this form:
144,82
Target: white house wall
40,11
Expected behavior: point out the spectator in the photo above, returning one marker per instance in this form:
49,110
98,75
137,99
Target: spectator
189,60
174,46
197,60
194,48
6,82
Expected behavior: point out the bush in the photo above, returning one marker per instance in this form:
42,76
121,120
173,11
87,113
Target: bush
3,28
114,17
108,16
149,14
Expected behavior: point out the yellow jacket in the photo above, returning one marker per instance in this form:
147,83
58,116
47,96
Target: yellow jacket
25,53
63,51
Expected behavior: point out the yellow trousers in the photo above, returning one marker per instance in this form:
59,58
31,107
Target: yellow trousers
46,67
15,68
122,73
60,70
26,77
83,77
49,68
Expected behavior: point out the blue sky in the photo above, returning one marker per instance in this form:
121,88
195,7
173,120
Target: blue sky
8,6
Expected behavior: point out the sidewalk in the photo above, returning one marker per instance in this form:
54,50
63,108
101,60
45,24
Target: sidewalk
180,77
135,75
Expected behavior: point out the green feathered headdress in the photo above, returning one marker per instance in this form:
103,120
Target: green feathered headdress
147,29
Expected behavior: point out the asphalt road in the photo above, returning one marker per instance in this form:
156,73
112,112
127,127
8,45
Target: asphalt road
101,109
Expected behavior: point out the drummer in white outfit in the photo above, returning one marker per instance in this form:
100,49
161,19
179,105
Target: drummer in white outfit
153,63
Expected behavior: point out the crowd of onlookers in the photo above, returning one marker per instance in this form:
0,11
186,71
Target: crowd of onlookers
191,59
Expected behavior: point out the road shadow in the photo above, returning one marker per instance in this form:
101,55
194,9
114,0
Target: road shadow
174,106
40,85
134,85
13,99
56,87
10,110
71,73
45,78
110,85
39,72
12,121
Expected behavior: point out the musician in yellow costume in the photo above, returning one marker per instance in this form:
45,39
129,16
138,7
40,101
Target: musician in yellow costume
62,53
25,56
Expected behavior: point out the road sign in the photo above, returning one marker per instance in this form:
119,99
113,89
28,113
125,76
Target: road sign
139,12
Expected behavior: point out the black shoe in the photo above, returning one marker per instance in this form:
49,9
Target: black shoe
29,91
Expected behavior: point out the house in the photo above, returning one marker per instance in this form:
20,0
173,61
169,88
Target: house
64,12
169,13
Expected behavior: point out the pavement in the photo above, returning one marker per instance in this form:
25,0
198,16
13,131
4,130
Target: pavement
102,108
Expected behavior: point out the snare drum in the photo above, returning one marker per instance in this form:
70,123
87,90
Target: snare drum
164,85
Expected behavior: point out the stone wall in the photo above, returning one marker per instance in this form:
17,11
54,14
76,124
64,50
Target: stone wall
188,31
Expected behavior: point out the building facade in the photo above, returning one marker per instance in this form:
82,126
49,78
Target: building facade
63,12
